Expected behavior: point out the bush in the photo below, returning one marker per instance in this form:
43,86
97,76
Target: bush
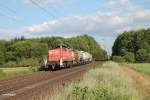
34,69
129,57
141,55
118,59
28,62
2,74
148,59
9,64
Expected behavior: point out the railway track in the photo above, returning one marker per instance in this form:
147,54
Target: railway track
23,87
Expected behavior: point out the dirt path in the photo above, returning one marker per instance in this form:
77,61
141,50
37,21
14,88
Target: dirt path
142,81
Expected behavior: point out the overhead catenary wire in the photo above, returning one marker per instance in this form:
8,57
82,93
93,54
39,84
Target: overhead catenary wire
47,12
9,16
9,9
12,19
21,21
43,9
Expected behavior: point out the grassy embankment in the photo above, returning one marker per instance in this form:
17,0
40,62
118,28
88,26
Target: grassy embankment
107,82
142,67
10,72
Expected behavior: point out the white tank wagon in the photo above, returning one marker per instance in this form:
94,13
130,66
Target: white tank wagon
79,57
87,57
83,57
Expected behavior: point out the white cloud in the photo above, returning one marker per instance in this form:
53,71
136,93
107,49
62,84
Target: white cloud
99,23
120,5
118,20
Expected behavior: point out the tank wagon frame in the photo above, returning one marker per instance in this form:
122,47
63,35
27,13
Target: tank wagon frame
62,57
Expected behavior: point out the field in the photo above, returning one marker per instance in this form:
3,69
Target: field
10,72
142,67
106,82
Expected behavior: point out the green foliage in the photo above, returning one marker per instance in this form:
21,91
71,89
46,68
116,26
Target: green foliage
9,64
2,52
1,58
133,41
22,63
2,74
29,49
107,82
141,55
10,72
118,59
142,67
87,43
148,57
80,93
34,69
28,62
99,93
10,56
30,52
129,57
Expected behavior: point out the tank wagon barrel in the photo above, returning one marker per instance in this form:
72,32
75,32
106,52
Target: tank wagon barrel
62,57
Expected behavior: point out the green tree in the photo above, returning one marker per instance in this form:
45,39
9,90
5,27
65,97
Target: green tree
148,58
132,41
2,58
2,52
118,59
129,57
10,56
141,55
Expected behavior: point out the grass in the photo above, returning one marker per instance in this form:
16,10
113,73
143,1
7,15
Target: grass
142,67
10,72
108,82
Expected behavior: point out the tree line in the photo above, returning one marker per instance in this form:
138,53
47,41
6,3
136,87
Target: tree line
132,46
31,52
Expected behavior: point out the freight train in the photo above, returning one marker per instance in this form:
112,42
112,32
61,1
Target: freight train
63,57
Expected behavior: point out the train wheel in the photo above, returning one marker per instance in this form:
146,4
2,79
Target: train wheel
68,65
57,67
65,65
53,67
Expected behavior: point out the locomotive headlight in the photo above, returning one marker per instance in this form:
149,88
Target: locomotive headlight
72,54
50,52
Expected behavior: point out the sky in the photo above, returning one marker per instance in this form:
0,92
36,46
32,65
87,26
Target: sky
102,19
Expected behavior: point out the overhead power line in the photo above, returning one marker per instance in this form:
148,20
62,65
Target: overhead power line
9,16
9,9
43,9
21,21
12,19
46,11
